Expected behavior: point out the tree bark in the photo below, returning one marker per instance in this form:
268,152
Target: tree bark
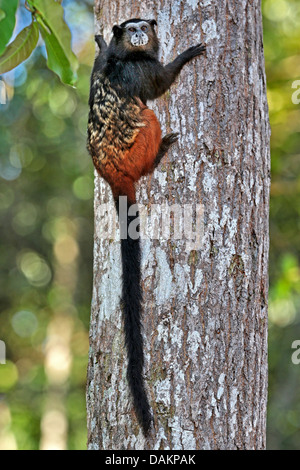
205,309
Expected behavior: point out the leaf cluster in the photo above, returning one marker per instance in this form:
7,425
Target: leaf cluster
47,20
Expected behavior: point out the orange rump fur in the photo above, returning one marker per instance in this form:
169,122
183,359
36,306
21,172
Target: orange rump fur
139,159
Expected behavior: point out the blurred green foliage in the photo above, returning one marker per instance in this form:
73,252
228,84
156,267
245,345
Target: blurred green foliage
282,56
46,218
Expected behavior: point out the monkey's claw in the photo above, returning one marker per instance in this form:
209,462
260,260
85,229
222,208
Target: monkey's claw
166,142
170,139
197,50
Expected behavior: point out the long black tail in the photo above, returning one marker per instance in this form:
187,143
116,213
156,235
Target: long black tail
132,310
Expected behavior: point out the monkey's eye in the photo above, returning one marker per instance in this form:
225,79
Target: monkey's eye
132,30
144,28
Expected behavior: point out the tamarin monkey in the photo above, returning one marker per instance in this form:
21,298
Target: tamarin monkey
124,140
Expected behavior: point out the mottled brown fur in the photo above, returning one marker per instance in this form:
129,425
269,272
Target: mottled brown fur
124,137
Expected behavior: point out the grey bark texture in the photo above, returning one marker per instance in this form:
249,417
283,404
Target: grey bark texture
205,309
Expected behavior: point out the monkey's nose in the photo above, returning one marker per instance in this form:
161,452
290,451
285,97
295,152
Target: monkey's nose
140,39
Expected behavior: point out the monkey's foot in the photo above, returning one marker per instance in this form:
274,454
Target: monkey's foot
167,141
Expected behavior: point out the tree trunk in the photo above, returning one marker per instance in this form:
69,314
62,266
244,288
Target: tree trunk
205,307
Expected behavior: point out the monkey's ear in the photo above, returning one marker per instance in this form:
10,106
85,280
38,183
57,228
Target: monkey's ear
152,22
117,30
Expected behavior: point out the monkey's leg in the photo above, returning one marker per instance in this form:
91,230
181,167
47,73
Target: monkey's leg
167,141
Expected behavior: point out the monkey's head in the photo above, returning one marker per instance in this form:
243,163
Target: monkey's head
135,35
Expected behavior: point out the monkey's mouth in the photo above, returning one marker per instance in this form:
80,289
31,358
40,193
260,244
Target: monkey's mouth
139,39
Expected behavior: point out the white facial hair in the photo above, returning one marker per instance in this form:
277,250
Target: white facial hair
139,40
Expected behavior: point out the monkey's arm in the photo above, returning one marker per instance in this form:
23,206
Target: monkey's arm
102,47
99,64
101,43
168,74
101,58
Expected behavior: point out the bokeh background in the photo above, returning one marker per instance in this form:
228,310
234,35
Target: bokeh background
46,223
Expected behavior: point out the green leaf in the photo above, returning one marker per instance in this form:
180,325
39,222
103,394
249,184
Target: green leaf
2,14
57,60
57,36
8,9
20,49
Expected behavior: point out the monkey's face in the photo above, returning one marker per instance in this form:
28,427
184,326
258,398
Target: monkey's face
136,33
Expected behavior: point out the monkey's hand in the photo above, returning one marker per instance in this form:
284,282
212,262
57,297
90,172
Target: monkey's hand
195,51
101,43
